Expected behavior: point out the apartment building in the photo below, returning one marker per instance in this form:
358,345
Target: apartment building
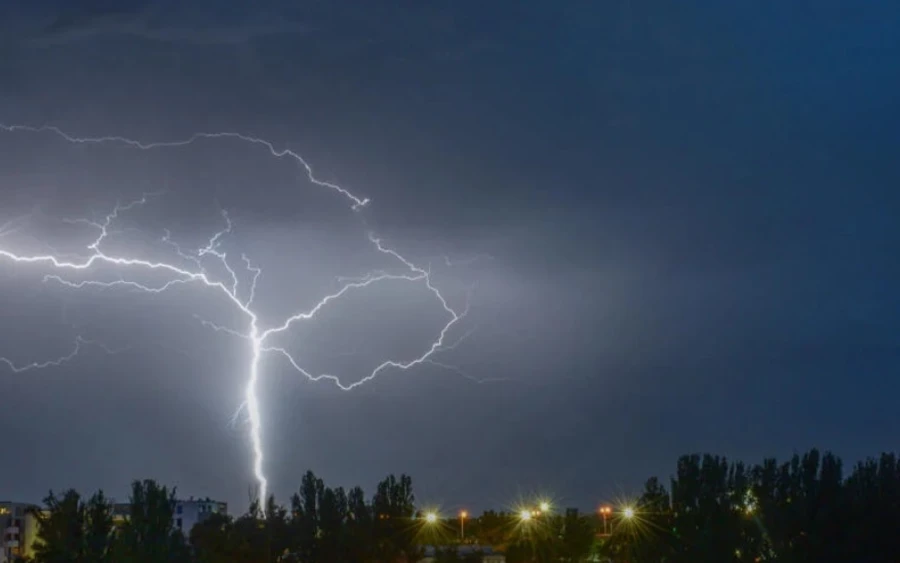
190,512
19,530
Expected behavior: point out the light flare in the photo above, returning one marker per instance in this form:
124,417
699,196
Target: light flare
525,515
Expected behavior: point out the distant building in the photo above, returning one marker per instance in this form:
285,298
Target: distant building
187,512
19,526
19,530
488,555
120,512
190,512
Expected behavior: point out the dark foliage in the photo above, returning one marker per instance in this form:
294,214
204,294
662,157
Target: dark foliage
323,525
74,531
800,511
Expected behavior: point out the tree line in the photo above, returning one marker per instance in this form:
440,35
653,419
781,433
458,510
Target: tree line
803,510
807,509
320,525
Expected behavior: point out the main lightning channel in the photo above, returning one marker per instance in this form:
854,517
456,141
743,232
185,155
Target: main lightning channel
197,273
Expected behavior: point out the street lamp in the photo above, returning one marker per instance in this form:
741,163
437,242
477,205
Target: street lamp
628,513
605,511
462,524
544,506
431,517
525,515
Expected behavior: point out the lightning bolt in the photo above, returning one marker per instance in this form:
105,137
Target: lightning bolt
191,268
80,342
40,365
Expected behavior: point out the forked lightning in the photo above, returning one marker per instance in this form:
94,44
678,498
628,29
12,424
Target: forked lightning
190,268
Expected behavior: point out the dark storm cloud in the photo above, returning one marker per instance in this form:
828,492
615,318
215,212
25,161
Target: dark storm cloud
197,23
95,12
689,211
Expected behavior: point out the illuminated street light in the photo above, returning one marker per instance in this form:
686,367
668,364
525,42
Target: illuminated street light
525,515
544,506
462,524
431,517
628,512
605,511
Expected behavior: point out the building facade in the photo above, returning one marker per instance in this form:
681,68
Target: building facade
19,530
191,512
187,513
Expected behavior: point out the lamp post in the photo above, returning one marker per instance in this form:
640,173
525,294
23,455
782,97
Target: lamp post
605,511
462,525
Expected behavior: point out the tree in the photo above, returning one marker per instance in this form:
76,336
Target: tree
248,539
576,537
332,517
61,529
149,534
802,510
277,529
71,531
212,541
491,528
394,507
359,527
305,518
98,529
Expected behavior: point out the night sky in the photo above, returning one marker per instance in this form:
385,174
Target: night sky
676,222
